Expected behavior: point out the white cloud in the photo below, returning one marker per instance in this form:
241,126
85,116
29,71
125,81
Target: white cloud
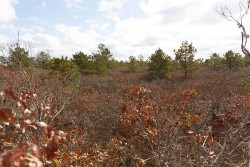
44,4
32,18
32,29
100,26
107,5
4,39
7,27
77,40
42,41
162,24
38,29
7,13
74,4
75,17
89,21
165,24
168,23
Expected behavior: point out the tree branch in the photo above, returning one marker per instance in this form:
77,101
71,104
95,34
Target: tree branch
227,14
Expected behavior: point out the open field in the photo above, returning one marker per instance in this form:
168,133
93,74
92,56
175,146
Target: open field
124,119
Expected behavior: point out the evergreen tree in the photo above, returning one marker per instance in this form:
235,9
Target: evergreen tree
215,60
229,59
19,57
133,65
159,64
42,60
84,62
233,60
185,57
64,67
102,60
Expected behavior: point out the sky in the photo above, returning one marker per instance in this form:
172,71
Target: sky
126,27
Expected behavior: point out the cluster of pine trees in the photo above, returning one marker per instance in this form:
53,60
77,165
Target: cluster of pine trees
158,65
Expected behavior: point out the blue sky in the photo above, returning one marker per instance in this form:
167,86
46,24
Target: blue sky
126,27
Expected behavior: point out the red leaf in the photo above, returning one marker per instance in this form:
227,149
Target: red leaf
134,89
49,132
3,116
201,140
6,114
123,106
8,157
66,159
10,93
51,149
211,142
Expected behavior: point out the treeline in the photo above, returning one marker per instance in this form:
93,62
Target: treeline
161,65
97,63
158,65
230,59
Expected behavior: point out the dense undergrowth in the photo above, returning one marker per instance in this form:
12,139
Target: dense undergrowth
124,120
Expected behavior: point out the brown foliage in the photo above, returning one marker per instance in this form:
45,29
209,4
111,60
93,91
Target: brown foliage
123,120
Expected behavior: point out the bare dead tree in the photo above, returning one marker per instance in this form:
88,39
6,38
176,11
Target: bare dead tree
227,13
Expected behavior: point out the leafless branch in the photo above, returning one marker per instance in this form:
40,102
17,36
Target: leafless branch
227,14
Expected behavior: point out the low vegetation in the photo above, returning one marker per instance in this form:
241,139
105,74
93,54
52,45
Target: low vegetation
58,112
93,110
